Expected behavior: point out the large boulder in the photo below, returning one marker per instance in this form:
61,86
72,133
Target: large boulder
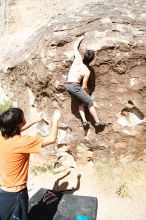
34,67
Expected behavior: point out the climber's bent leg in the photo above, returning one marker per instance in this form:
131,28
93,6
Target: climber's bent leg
92,111
77,91
82,114
98,121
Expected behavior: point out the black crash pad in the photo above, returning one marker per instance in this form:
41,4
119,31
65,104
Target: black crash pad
72,206
52,205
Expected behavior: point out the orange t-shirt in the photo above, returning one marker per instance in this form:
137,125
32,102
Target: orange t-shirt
14,158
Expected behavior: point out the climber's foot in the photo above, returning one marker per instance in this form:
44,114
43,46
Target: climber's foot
86,123
100,123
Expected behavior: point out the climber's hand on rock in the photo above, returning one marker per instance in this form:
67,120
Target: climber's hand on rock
78,41
81,37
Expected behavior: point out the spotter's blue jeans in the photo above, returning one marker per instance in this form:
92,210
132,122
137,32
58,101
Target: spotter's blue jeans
14,205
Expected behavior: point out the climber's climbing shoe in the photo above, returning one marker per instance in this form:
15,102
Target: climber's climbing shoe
100,123
86,123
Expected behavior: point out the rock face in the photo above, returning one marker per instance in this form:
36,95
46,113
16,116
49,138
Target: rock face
34,68
17,15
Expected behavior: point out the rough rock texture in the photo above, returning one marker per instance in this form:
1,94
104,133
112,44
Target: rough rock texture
17,15
34,68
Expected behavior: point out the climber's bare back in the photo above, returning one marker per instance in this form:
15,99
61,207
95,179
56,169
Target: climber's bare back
77,71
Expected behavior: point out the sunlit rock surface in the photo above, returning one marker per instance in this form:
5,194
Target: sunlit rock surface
34,67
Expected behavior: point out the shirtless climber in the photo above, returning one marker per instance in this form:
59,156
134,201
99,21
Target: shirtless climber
77,83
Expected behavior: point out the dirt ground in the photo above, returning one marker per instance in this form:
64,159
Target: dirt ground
121,191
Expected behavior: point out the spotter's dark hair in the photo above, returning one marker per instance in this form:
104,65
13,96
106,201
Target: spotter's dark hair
10,122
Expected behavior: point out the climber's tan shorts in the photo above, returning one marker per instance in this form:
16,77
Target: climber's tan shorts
76,91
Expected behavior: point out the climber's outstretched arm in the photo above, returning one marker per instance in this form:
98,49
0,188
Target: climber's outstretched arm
76,49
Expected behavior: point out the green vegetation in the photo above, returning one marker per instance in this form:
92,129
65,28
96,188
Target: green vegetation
4,107
123,191
39,169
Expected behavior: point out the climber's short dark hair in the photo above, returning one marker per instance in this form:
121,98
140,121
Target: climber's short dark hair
10,122
88,57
